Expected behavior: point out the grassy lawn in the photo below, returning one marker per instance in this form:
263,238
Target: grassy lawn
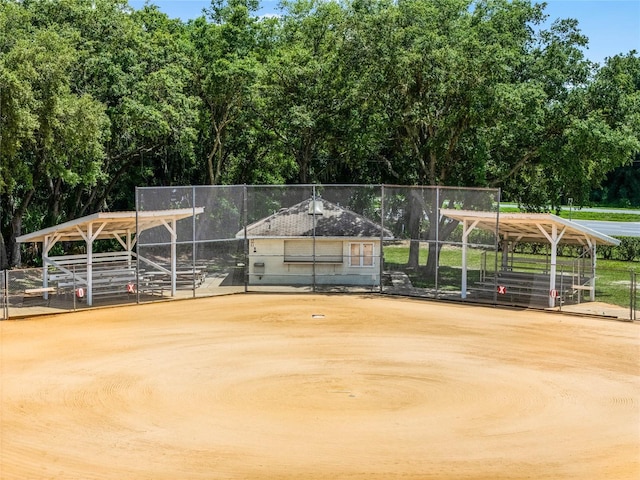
612,282
449,274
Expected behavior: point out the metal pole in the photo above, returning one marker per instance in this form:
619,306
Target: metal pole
635,295
137,233
437,221
73,294
495,246
463,286
594,260
632,299
193,238
313,264
570,208
561,291
5,294
246,240
381,238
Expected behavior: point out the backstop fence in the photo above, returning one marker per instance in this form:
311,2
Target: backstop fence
385,239
373,238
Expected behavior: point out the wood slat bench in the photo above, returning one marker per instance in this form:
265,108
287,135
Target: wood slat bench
40,292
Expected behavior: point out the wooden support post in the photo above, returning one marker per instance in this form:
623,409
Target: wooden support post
554,240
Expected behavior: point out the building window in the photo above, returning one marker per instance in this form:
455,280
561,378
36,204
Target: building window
302,251
361,255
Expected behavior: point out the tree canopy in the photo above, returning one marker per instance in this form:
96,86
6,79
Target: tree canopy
96,98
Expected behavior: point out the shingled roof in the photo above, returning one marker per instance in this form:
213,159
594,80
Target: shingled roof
331,221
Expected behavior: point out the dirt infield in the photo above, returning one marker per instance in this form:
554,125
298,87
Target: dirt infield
318,387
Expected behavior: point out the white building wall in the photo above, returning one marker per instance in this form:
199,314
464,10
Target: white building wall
267,266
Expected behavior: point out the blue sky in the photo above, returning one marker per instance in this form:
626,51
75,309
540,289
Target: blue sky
612,26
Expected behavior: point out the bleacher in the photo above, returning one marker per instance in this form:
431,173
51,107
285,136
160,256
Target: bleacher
112,274
526,281
155,281
522,288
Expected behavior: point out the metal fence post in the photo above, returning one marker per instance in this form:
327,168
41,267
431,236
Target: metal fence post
380,288
437,223
313,264
496,247
633,290
193,238
73,292
635,296
137,194
245,217
561,291
5,294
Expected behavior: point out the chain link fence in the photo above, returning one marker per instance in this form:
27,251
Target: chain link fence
392,240
350,238
430,255
25,293
616,295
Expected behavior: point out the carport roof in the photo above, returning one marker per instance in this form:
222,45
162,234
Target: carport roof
531,227
109,224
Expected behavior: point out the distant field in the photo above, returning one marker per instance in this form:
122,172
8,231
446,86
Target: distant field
579,215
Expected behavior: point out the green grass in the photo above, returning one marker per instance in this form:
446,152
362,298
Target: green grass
579,215
613,286
449,274
612,282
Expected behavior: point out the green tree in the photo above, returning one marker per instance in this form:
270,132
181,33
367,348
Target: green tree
569,134
433,71
226,66
69,63
305,92
621,188
138,65
53,136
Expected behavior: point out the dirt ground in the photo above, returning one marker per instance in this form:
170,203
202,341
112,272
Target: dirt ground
318,387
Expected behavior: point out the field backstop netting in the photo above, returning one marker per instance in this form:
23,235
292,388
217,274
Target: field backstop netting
368,238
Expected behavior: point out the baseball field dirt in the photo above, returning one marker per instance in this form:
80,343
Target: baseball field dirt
318,387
